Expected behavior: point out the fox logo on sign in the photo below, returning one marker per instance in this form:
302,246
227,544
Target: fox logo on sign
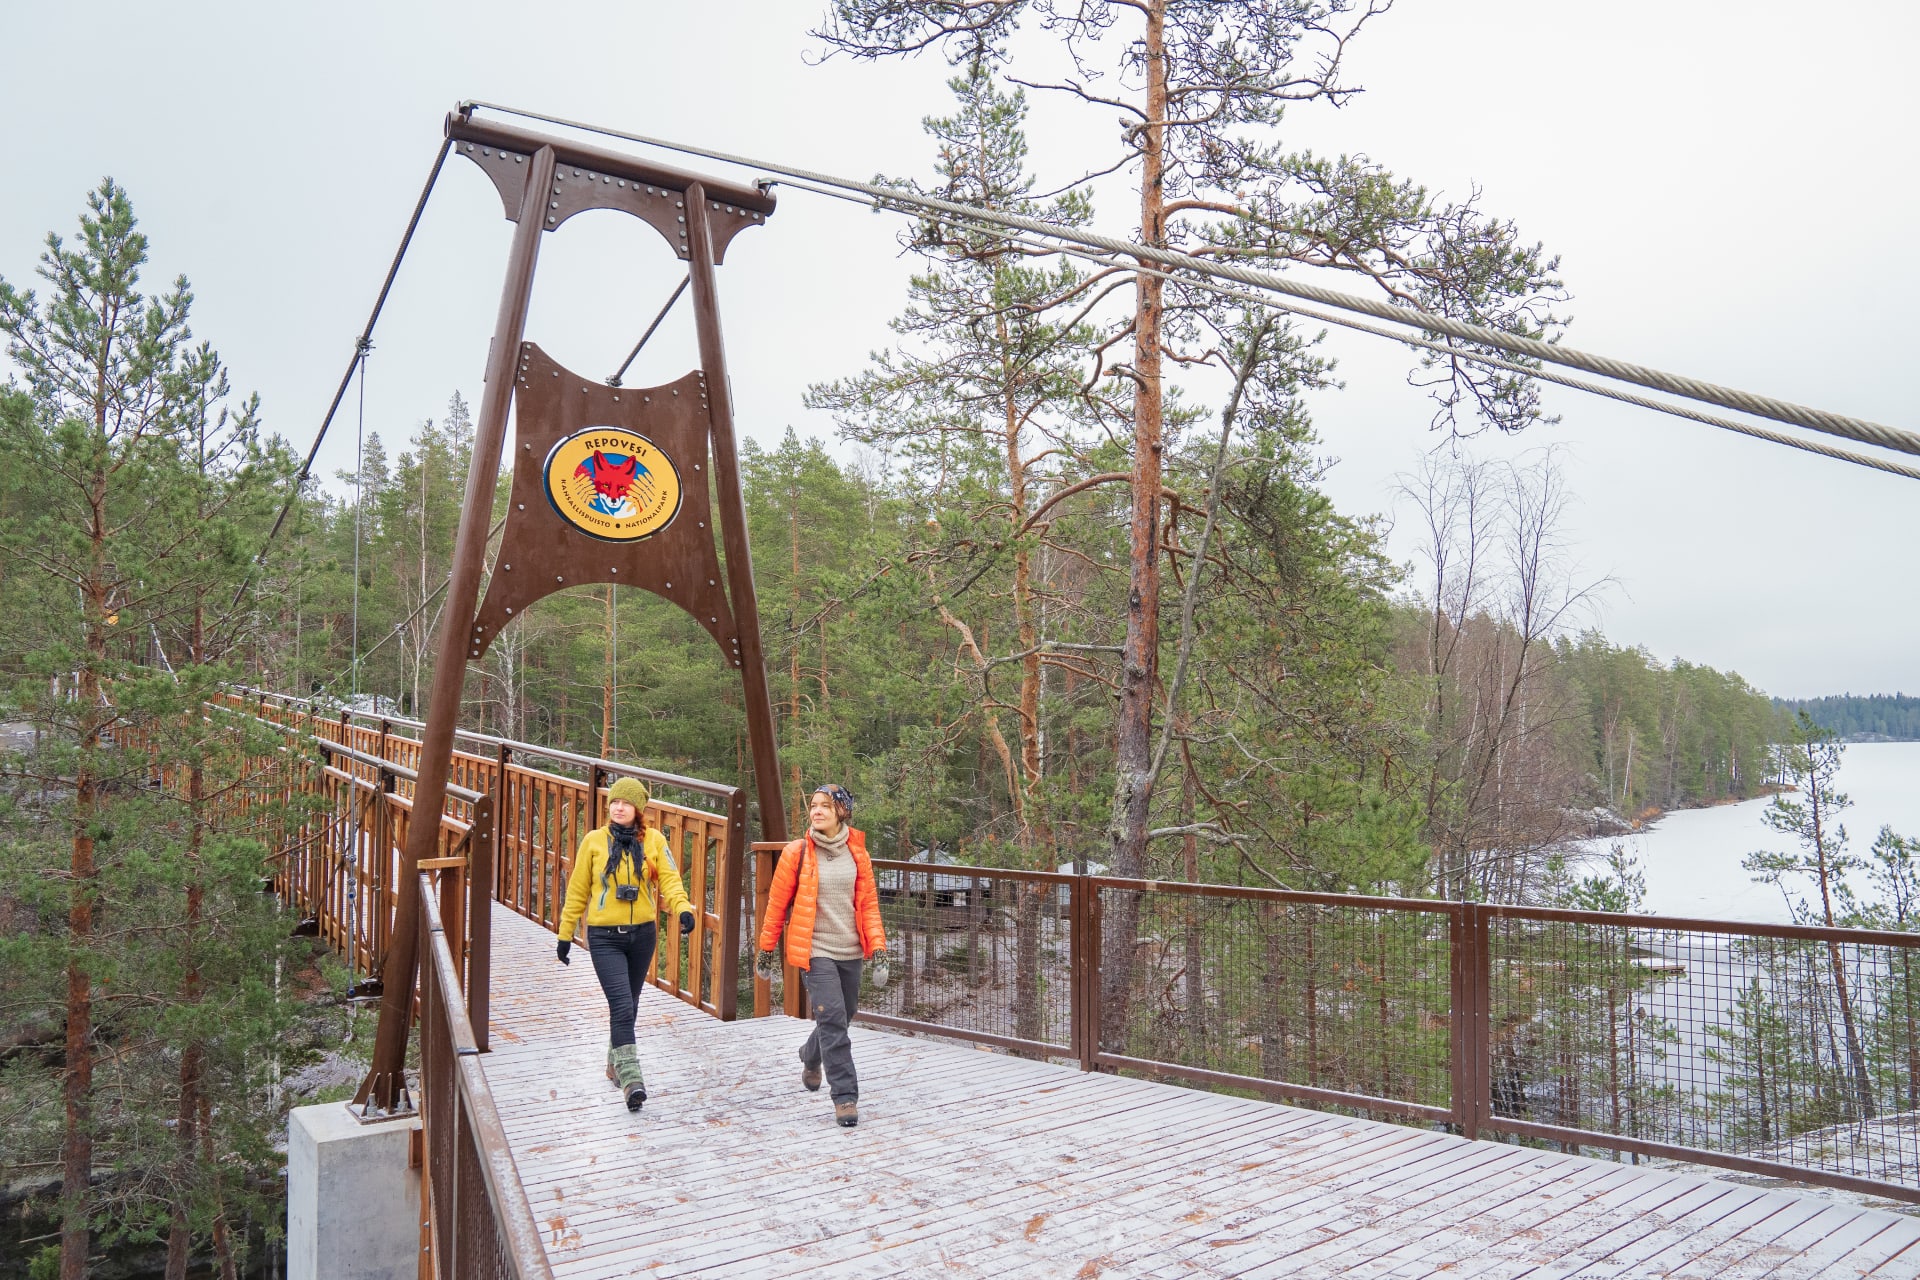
612,484
611,478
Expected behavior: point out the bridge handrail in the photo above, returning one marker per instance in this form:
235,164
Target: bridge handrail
537,819
464,1138
698,786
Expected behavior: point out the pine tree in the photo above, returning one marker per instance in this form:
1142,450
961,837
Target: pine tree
1812,762
138,499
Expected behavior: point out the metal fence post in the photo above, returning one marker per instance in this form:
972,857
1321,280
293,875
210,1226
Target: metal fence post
1086,978
1470,977
1090,1051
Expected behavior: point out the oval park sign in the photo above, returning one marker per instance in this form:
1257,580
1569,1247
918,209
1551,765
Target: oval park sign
612,484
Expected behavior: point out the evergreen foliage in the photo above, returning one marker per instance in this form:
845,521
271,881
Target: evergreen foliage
1878,717
140,1007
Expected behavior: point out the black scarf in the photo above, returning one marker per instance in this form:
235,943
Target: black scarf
622,842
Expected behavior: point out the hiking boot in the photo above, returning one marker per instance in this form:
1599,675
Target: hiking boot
626,1073
610,1074
809,1076
846,1114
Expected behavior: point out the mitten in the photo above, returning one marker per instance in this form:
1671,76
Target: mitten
561,951
686,922
767,967
880,969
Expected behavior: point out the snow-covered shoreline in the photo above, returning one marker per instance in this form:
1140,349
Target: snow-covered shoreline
1691,857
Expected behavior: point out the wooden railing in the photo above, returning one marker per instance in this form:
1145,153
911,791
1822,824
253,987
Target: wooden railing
532,805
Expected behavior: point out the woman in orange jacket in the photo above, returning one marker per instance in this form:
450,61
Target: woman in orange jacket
824,896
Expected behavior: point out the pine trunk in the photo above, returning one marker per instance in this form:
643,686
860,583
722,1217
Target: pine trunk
1133,741
76,1149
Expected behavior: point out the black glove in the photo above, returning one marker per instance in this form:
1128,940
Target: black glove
686,922
562,949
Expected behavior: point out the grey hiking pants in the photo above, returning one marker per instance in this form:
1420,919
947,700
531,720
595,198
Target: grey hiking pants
833,989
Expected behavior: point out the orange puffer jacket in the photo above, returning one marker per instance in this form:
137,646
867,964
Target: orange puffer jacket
796,885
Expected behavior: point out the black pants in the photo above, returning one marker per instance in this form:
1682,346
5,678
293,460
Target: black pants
833,989
621,954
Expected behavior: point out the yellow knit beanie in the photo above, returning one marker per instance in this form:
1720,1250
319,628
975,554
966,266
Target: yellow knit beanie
632,790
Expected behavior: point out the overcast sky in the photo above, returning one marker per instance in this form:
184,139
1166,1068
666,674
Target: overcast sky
1730,188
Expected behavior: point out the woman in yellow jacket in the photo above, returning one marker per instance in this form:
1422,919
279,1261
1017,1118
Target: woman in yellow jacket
826,882
608,888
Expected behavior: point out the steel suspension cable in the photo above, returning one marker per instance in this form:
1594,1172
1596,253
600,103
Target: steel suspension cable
361,346
1456,353
1545,375
1862,430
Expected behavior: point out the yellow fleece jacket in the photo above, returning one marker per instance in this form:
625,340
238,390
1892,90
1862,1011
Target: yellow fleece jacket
590,891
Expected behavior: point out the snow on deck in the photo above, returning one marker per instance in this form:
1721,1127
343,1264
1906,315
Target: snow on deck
971,1163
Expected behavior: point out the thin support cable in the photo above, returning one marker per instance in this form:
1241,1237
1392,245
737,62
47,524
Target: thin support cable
425,604
632,355
1860,429
340,393
359,508
613,635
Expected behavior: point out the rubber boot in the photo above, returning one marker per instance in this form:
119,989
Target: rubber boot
626,1073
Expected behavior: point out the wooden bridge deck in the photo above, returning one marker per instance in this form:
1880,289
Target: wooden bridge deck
972,1163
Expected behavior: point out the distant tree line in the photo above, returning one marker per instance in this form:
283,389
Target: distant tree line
1851,717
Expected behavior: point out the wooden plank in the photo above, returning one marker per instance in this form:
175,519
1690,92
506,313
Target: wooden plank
1347,1232
1759,1215
1017,1211
943,1153
1755,1249
1624,1244
1200,1096
1902,1261
1796,1249
1851,1250
1102,1218
934,1153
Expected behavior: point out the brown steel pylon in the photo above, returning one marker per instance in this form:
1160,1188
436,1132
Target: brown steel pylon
627,485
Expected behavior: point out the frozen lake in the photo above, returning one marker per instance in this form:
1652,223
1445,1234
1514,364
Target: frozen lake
1692,858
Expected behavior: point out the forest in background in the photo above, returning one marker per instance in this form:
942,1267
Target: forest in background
1878,717
1349,735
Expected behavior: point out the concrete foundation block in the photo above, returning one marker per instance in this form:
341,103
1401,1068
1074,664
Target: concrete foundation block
353,1204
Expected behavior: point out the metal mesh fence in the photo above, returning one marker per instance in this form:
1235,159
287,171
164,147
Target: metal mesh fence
980,952
1798,1047
1324,1000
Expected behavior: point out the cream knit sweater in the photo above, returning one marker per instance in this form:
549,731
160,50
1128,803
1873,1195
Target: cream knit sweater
835,935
